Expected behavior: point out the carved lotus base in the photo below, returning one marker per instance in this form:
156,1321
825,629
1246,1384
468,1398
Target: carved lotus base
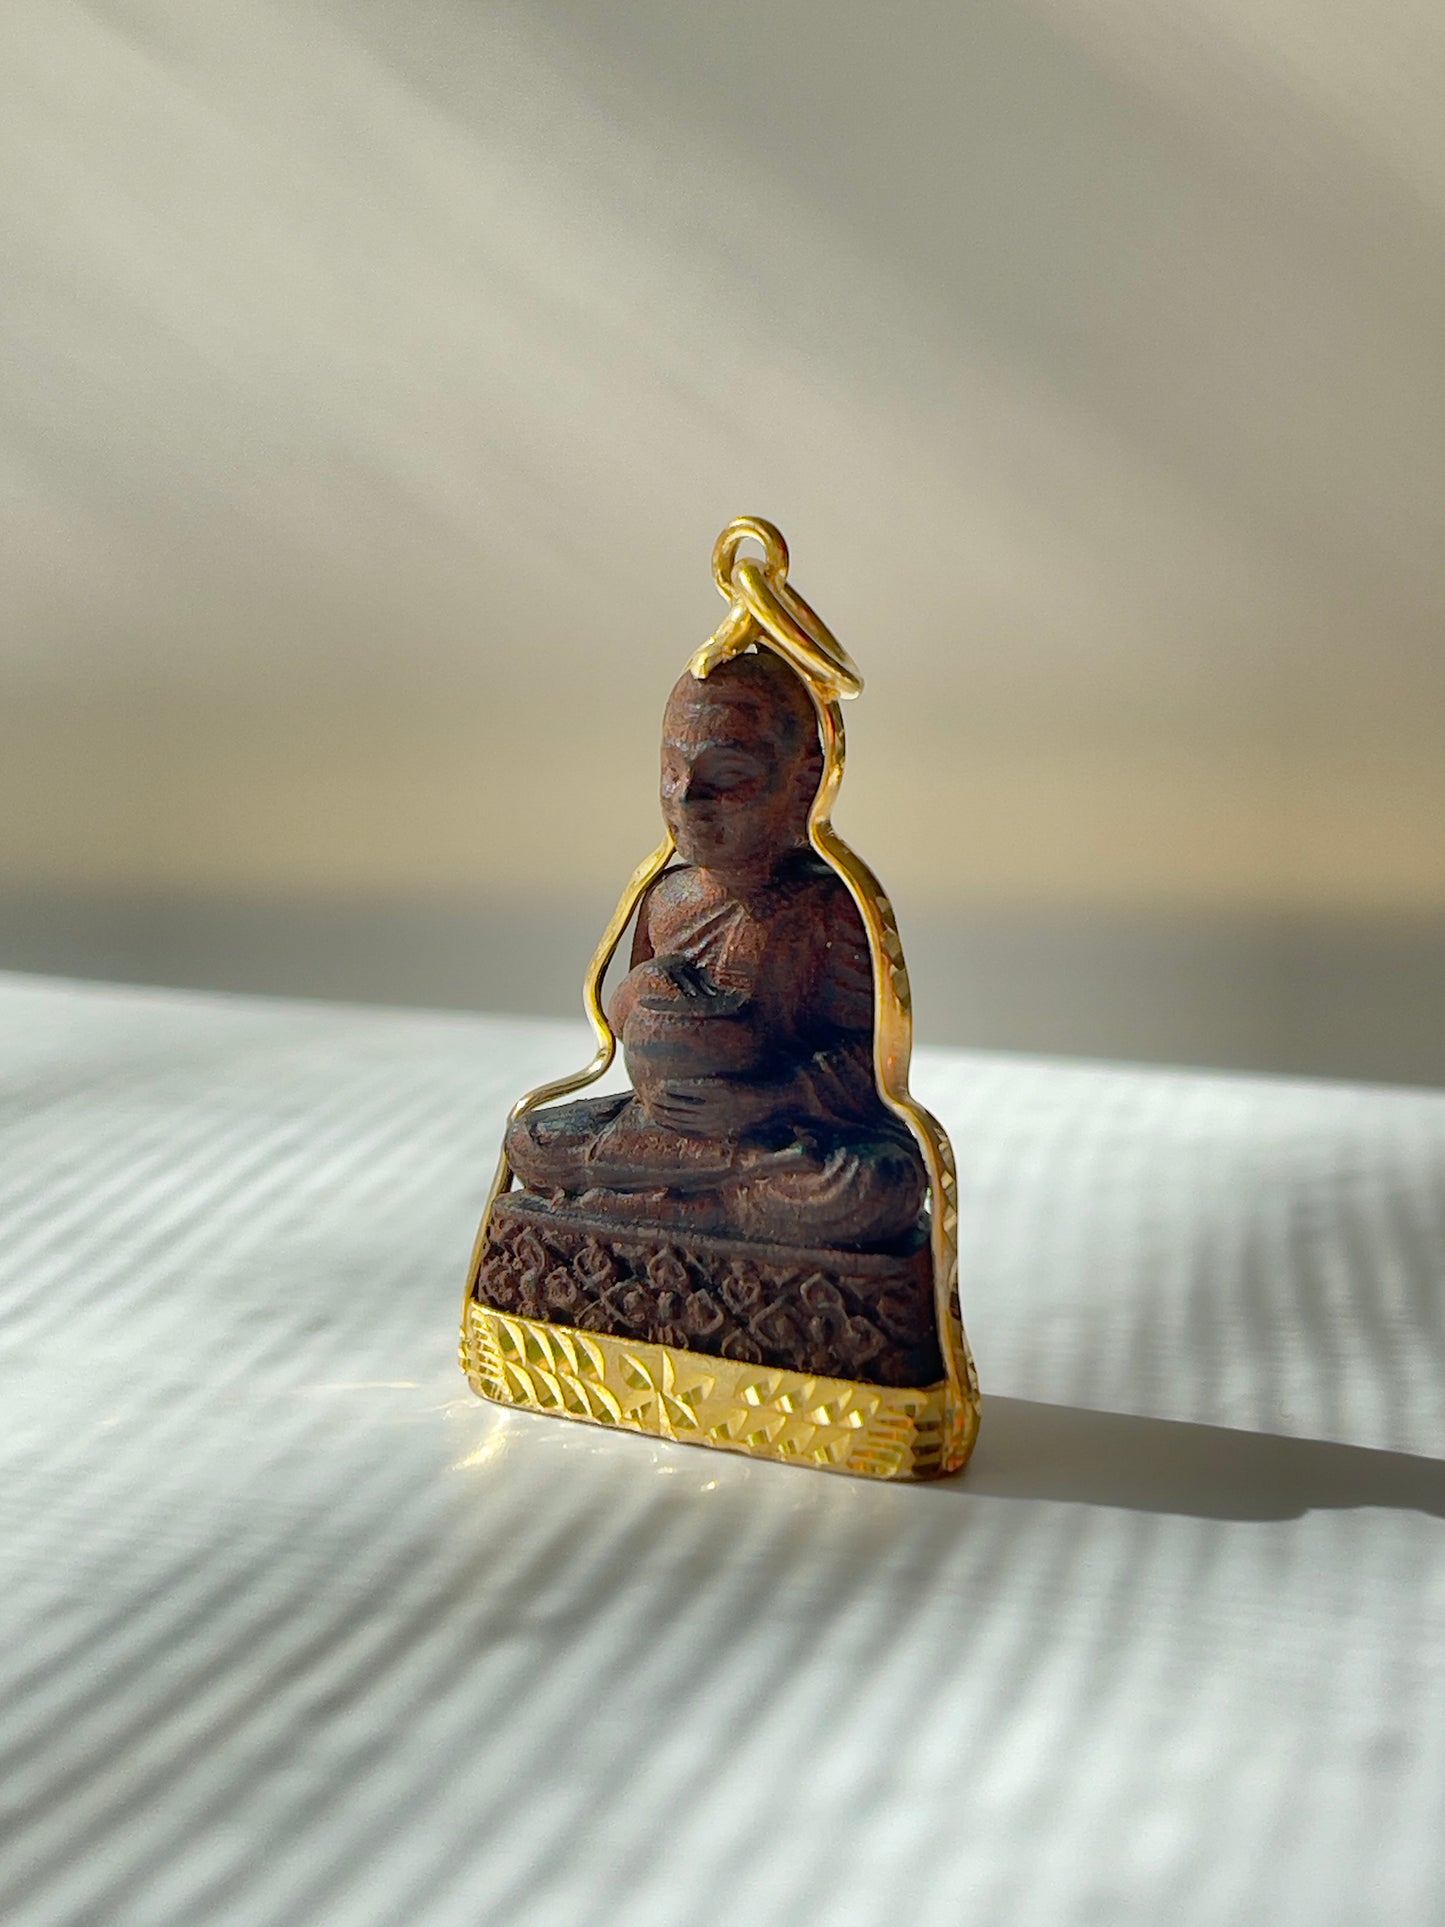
863,1317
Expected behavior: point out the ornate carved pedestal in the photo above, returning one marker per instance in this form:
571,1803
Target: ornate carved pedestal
838,1314
824,1358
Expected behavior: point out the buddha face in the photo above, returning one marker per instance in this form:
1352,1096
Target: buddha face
740,765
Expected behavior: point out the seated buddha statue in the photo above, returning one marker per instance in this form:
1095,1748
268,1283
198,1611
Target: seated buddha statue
746,1017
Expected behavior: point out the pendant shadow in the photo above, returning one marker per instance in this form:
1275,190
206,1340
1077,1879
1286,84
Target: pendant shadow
1063,1453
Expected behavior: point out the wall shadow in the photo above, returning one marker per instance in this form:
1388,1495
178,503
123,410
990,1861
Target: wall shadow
1028,1450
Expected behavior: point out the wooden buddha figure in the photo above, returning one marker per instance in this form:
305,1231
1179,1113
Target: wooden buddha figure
750,1195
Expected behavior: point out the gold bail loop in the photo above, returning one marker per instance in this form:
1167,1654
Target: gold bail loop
764,608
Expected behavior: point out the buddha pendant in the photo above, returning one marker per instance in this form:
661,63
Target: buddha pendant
755,1247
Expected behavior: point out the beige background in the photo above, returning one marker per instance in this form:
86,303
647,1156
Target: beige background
378,375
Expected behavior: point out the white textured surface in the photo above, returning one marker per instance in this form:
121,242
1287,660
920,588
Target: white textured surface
292,1630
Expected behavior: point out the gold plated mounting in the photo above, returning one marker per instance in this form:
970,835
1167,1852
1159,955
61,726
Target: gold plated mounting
837,1424
547,1367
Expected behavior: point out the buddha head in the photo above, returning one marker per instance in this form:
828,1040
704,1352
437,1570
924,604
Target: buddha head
741,764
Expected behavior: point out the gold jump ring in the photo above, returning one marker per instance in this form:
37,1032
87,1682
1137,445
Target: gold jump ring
725,551
764,607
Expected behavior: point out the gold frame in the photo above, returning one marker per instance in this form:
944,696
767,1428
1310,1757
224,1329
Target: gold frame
883,1433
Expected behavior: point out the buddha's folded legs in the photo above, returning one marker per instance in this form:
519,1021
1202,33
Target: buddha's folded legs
826,1184
863,1188
612,1143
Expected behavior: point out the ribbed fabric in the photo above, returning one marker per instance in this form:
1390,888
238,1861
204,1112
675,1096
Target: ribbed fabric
293,1630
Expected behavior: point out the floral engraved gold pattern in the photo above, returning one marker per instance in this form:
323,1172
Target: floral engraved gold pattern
837,1424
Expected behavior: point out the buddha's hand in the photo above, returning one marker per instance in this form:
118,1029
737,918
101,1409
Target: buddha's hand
713,1107
674,986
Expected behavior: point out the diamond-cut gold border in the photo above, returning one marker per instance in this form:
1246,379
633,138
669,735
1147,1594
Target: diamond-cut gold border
839,1424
